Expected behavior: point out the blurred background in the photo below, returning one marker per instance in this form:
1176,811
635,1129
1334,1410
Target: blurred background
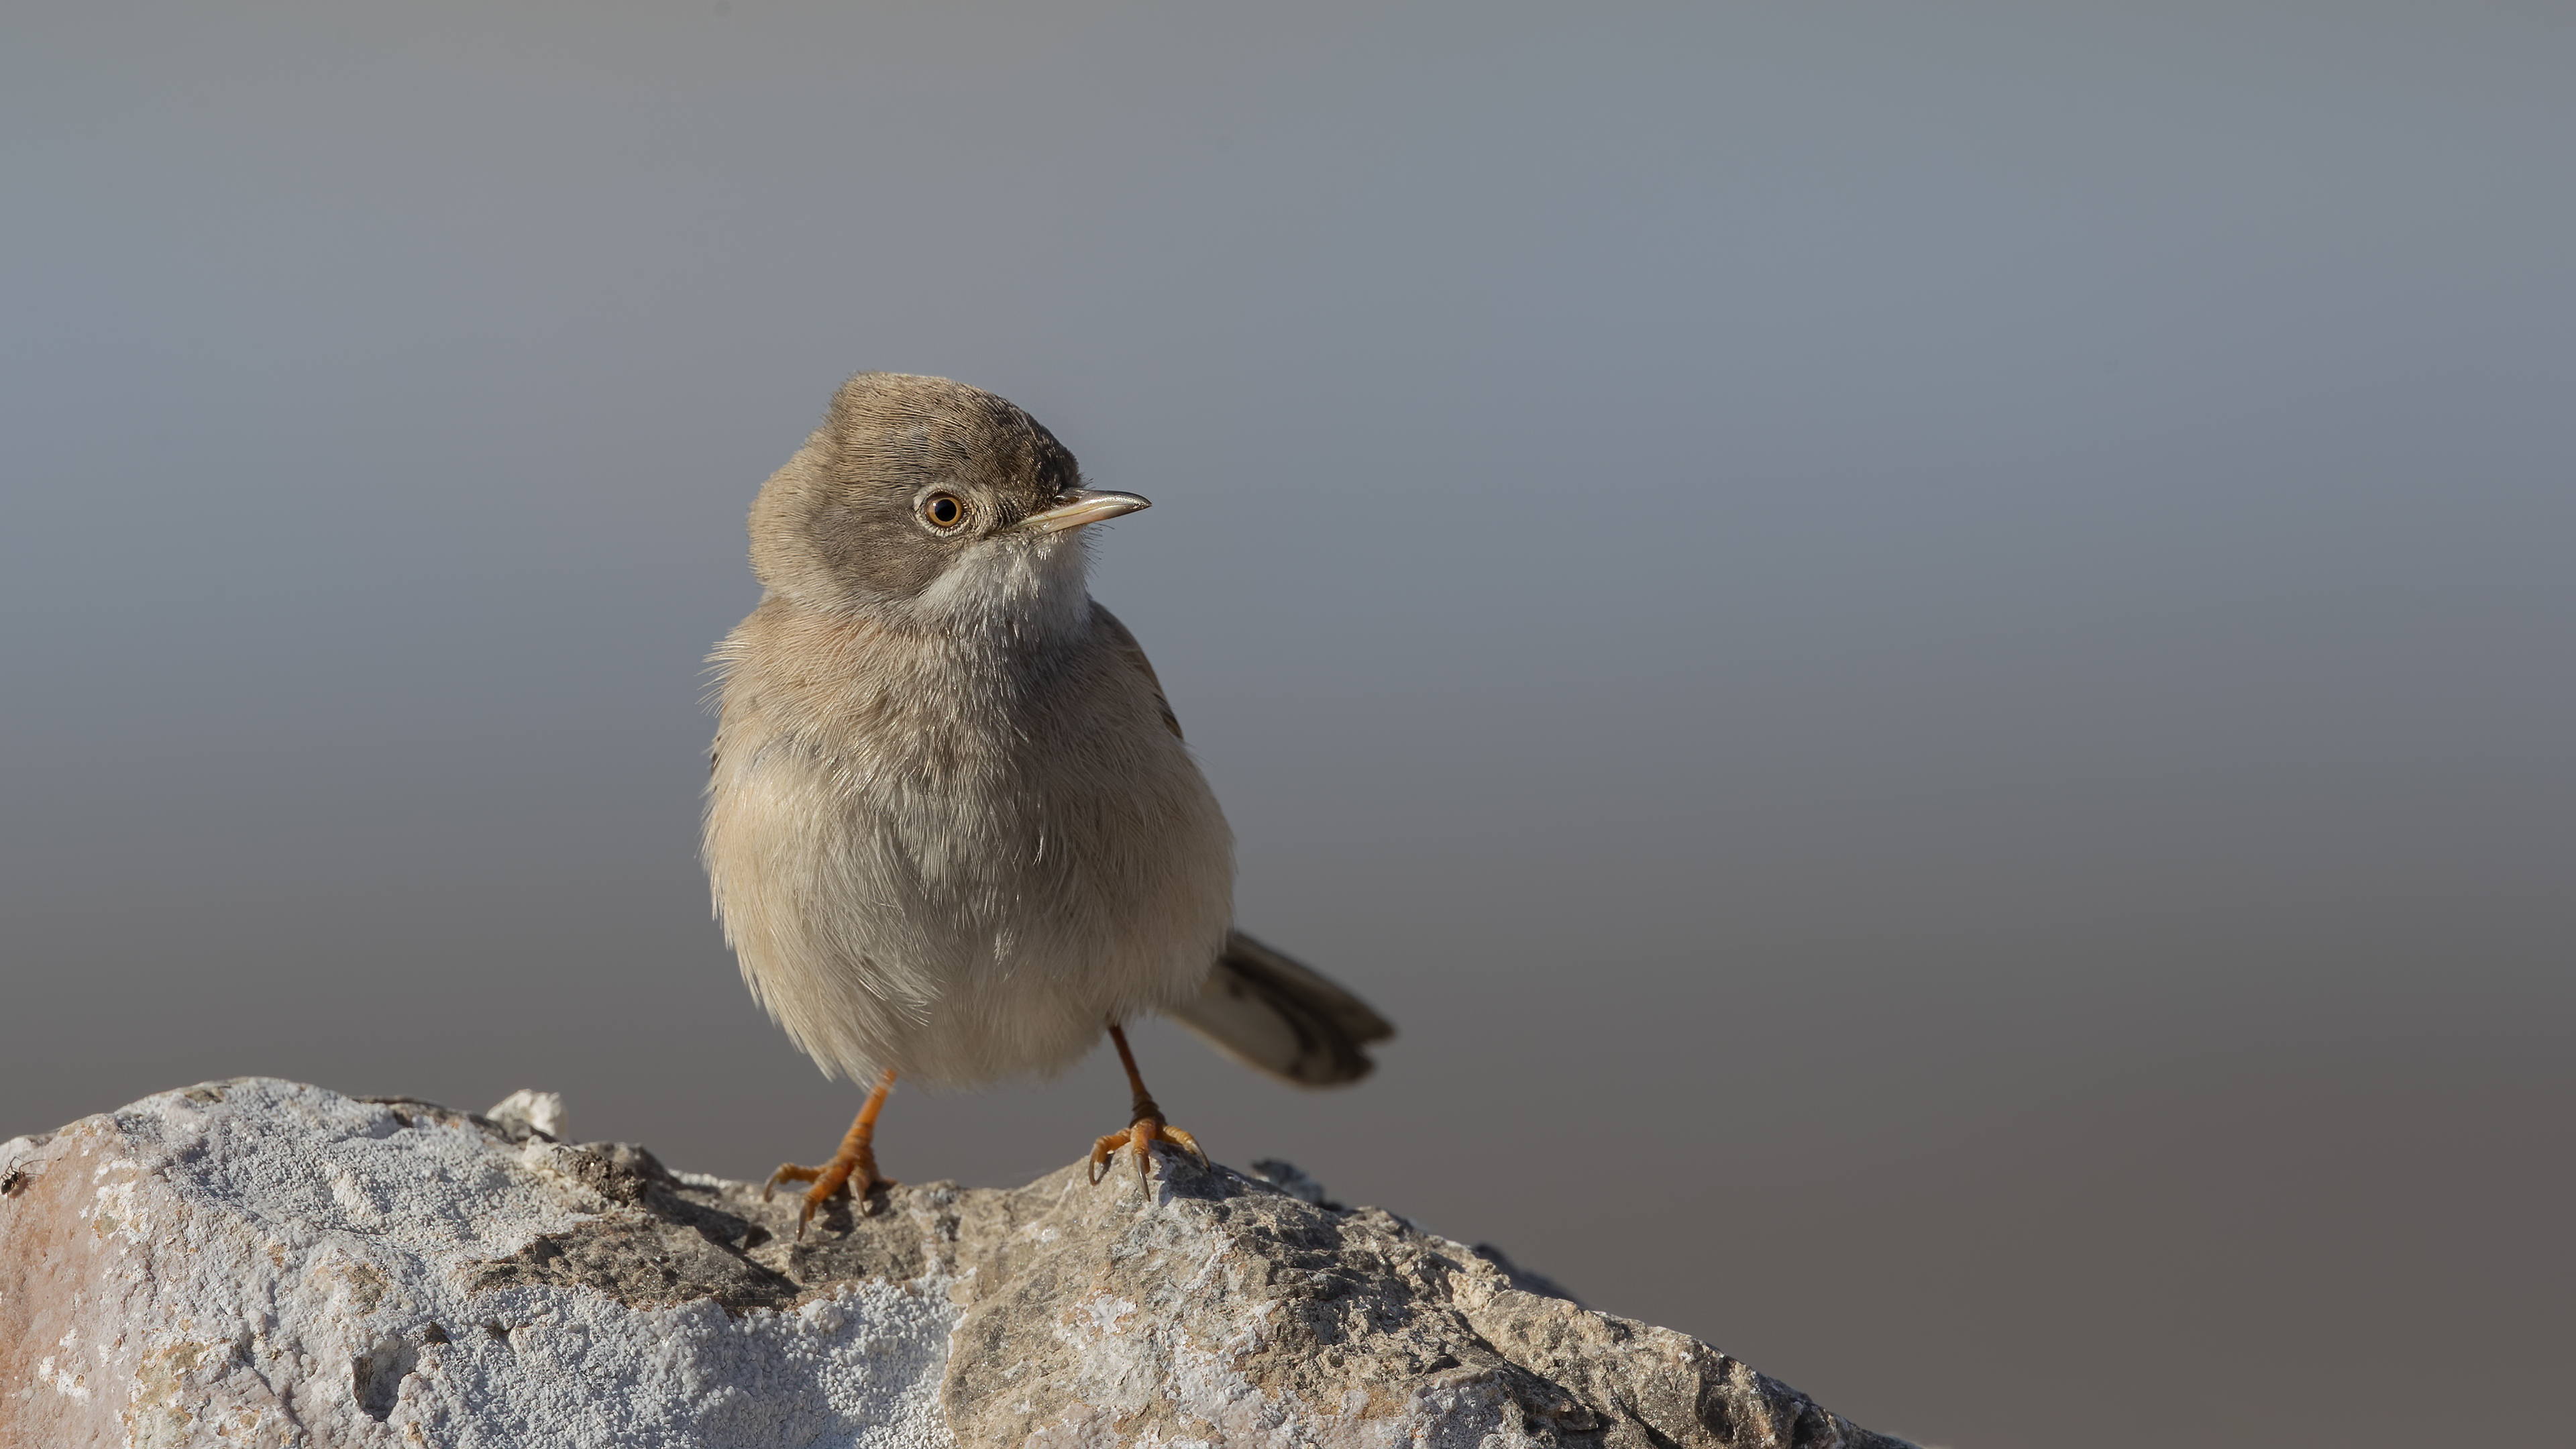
1925,650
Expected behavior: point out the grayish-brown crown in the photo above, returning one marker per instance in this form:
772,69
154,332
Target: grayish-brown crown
843,523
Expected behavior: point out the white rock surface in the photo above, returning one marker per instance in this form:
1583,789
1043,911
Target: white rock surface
260,1263
267,1264
537,1111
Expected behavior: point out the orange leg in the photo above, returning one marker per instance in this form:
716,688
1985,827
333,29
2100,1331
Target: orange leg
856,1159
1147,1126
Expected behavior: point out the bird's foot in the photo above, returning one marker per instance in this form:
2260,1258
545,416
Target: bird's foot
854,1171
857,1158
1148,1129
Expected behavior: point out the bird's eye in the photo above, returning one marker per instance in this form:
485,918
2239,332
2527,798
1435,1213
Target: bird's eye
943,510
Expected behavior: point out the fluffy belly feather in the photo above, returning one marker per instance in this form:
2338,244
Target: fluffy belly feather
962,914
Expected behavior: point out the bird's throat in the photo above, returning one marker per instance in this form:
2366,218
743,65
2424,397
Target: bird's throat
1016,592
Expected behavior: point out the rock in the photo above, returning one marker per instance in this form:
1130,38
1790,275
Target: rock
259,1263
1290,1179
539,1112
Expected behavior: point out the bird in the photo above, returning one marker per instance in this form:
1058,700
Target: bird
953,832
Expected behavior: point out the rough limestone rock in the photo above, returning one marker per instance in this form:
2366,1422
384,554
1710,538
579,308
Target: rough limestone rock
258,1263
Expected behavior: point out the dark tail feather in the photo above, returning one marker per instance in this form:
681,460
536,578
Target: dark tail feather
1268,1011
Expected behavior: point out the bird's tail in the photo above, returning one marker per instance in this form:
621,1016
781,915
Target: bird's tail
1268,1011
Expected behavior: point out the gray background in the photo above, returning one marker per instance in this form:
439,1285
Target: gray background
1925,650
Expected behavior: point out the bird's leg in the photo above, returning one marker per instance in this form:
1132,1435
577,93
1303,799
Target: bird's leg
856,1159
1146,1125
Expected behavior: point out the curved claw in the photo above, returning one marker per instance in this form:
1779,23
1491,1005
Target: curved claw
856,1158
1147,1126
1191,1144
1142,1135
1100,1151
856,1175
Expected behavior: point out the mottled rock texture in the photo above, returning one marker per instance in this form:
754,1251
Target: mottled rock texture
258,1263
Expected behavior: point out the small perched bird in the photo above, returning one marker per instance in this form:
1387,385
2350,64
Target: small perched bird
952,830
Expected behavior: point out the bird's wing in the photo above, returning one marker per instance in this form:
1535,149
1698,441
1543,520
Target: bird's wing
1269,1011
1257,1006
1134,653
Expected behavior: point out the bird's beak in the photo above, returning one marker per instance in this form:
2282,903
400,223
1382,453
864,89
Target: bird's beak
1075,507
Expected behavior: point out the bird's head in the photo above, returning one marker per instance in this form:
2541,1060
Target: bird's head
928,503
